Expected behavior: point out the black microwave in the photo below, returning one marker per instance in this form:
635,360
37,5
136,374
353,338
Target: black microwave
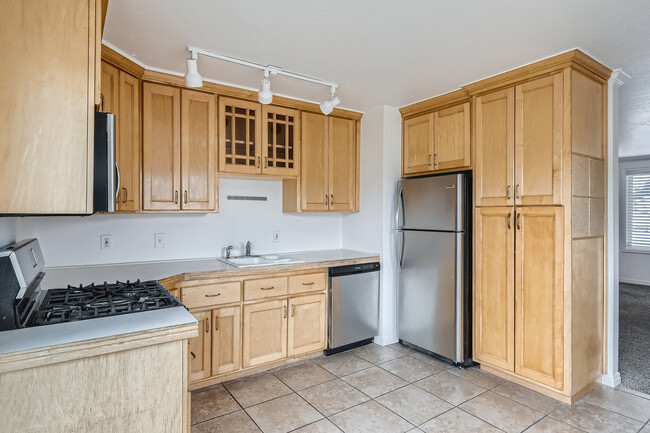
106,178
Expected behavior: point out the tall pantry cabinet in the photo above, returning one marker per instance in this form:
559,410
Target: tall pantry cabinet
539,224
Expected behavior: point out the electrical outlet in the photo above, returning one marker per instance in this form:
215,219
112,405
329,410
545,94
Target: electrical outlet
276,236
106,242
159,240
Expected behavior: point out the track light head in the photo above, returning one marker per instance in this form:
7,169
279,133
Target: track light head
192,77
265,96
328,106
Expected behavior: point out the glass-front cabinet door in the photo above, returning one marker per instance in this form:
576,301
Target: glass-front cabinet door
239,136
280,141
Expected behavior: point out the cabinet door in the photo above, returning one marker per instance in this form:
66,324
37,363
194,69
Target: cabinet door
314,180
200,348
198,151
226,340
265,332
110,84
539,298
538,142
451,147
494,287
307,324
280,141
128,143
417,147
342,164
495,148
161,147
239,136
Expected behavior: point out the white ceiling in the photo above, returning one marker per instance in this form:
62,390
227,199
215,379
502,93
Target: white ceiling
391,52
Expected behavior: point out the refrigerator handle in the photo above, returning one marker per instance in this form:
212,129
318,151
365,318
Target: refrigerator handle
400,250
400,206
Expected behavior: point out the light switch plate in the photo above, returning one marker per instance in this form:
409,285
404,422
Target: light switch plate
276,236
159,240
106,242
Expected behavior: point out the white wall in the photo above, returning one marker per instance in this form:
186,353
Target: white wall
76,240
7,231
634,267
372,229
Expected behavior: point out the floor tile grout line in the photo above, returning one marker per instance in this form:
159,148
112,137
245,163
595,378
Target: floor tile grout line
223,414
609,410
635,393
478,417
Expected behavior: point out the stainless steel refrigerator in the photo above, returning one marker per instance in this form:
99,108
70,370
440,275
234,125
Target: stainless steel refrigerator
433,260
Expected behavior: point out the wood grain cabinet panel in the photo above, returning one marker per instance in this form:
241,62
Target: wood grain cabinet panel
198,156
495,148
265,288
280,141
240,136
200,351
128,143
494,291
538,141
50,73
307,324
417,148
315,162
452,141
226,340
539,314
265,332
307,282
110,88
342,164
161,147
212,294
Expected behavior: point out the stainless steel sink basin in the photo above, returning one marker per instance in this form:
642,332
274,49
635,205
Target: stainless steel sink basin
251,261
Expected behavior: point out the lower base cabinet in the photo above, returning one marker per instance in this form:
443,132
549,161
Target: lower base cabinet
226,340
307,322
265,331
199,352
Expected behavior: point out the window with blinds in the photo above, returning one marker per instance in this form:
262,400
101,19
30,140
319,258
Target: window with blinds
637,210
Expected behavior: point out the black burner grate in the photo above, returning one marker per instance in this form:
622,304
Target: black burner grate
93,301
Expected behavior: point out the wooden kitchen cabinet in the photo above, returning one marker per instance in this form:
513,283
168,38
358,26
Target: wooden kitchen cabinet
417,148
128,142
329,167
51,74
240,136
110,88
307,324
539,315
451,149
494,287
200,348
226,340
178,151
280,141
265,332
519,144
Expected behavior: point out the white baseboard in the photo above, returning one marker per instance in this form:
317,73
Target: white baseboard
385,341
631,281
612,381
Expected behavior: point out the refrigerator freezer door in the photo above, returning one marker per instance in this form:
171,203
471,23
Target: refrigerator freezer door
428,311
431,203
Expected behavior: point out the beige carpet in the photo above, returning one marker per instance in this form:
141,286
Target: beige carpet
634,337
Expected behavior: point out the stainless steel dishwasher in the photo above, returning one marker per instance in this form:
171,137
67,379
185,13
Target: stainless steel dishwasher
353,306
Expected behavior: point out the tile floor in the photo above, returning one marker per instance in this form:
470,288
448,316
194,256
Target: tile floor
379,389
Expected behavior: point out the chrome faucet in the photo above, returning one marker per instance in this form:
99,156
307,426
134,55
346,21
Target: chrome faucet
228,248
248,248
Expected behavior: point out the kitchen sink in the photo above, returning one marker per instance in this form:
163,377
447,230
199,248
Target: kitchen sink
268,260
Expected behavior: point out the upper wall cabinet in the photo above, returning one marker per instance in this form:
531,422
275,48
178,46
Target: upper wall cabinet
256,139
179,155
437,141
49,92
519,144
329,174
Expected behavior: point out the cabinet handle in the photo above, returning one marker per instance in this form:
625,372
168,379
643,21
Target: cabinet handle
266,162
517,191
185,194
207,325
216,323
193,355
176,197
508,192
434,159
126,195
285,311
308,284
509,226
101,98
213,295
327,200
258,162
267,288
332,200
293,310
429,159
518,221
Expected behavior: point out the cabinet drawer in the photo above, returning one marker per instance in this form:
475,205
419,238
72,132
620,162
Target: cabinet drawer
214,294
265,288
307,283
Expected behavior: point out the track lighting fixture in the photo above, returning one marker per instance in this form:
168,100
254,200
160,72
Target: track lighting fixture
192,77
265,96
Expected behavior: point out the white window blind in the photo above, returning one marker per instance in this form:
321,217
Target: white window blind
637,210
